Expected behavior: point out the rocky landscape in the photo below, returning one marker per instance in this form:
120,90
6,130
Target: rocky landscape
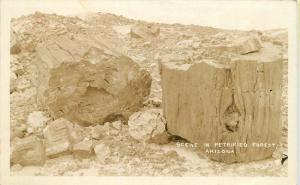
99,95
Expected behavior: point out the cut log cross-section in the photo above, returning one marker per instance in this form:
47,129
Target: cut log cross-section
232,111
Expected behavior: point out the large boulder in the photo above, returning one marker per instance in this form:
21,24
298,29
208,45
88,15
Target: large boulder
88,82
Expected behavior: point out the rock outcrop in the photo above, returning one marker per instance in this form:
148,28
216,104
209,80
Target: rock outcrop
209,103
86,82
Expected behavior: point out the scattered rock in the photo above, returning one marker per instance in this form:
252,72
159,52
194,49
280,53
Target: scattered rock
172,154
76,133
37,119
18,131
112,130
15,47
145,32
102,152
160,139
184,44
83,149
145,125
117,125
196,45
277,37
29,130
57,135
154,30
22,84
147,44
247,45
28,151
98,132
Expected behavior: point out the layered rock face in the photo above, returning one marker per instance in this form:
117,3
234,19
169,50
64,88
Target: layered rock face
234,108
85,81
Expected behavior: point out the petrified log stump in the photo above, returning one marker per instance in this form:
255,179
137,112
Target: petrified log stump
218,105
87,82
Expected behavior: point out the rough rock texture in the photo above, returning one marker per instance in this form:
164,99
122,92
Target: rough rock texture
28,151
37,119
58,139
212,103
83,149
247,45
102,152
86,82
145,125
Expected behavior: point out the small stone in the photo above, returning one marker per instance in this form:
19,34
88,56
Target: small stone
172,154
102,152
17,132
184,44
76,133
28,151
22,83
145,32
29,130
247,45
98,132
37,119
146,124
196,45
83,149
57,136
155,30
113,132
117,124
147,44
160,139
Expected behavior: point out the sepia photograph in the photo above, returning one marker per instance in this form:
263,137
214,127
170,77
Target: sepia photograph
149,88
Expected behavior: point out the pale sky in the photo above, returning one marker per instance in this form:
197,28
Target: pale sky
232,14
